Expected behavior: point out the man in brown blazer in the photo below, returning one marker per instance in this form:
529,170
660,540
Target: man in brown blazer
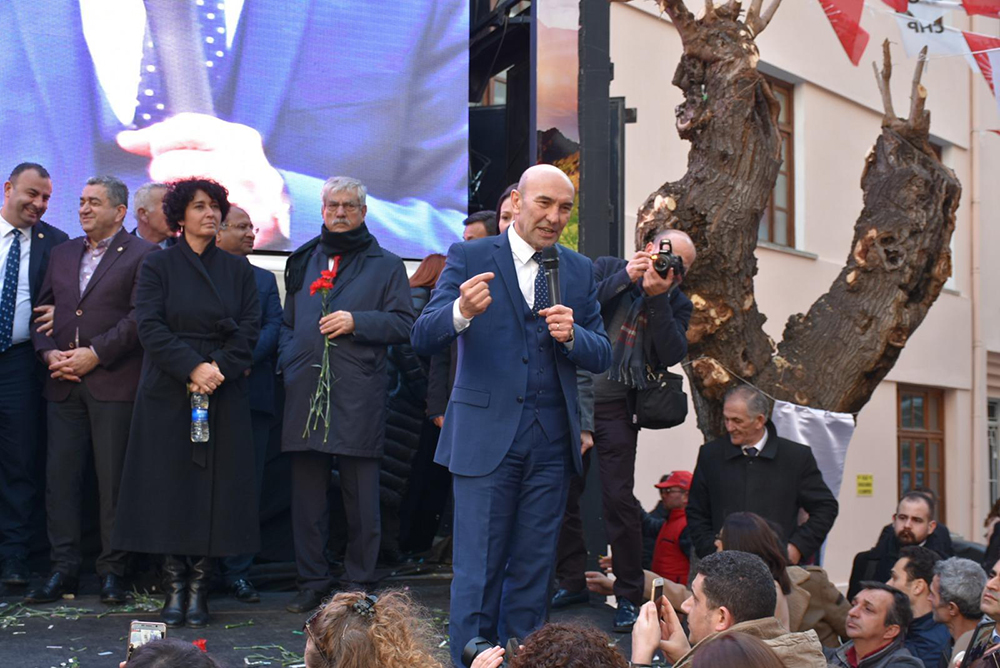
93,358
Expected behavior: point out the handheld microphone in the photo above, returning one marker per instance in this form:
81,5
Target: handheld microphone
550,262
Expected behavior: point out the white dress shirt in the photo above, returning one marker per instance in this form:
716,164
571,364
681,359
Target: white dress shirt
114,30
22,304
759,445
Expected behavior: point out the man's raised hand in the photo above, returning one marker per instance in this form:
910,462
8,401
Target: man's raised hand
475,296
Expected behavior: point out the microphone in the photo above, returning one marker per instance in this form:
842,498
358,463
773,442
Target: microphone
550,263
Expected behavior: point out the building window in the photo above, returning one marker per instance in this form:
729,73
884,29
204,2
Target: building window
777,225
921,442
993,441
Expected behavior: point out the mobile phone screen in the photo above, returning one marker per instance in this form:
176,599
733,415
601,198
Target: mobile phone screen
140,633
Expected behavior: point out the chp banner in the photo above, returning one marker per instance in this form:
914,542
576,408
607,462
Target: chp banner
827,433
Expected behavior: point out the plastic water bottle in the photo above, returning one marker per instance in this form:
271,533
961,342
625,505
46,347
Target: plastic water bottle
199,417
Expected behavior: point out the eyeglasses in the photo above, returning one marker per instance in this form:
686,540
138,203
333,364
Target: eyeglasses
673,490
308,631
349,207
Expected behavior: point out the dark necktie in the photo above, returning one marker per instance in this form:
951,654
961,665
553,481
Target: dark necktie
541,286
153,105
750,451
8,298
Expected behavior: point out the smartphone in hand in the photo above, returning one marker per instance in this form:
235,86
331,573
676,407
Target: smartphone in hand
140,633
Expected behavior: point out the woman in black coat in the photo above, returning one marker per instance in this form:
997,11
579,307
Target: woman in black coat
198,317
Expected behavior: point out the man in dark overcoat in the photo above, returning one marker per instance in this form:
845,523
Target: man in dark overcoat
367,310
753,469
93,358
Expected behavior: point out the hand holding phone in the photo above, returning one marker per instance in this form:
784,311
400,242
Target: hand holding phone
140,633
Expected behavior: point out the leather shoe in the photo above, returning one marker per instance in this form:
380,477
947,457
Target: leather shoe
306,600
15,572
563,598
59,585
625,616
244,591
112,590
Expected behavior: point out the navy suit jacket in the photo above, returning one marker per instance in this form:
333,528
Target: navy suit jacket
393,112
44,238
483,412
265,352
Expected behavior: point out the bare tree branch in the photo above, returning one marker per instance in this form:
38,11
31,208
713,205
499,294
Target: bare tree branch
679,14
883,83
918,94
758,18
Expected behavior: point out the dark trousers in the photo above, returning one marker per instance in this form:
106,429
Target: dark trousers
615,441
21,419
238,568
506,525
359,483
78,426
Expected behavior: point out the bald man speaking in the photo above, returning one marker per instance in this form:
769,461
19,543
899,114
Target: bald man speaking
511,434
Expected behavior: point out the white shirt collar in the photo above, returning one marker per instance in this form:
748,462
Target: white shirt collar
6,227
522,251
759,445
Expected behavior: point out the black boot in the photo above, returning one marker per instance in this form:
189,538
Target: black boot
198,586
175,586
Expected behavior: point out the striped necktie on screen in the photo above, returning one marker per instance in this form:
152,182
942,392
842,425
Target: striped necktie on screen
8,298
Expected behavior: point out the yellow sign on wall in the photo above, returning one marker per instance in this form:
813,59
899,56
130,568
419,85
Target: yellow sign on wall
866,484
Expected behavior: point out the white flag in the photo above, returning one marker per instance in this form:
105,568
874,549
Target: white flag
827,433
938,39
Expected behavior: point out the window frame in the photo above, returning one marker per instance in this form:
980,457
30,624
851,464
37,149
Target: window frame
787,130
924,435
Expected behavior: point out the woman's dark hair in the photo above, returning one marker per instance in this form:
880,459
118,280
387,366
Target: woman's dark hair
503,198
735,649
749,532
427,274
180,193
567,646
170,653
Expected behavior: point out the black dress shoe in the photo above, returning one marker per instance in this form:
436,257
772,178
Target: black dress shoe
15,572
563,598
59,585
112,590
244,591
625,616
306,600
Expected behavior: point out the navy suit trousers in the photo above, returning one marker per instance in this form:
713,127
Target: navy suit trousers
505,541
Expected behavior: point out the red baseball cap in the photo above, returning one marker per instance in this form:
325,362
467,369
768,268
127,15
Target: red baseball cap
680,479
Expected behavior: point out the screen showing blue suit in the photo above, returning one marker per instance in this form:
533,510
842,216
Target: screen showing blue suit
511,434
296,91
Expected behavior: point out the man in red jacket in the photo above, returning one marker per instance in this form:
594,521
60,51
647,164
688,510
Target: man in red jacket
671,555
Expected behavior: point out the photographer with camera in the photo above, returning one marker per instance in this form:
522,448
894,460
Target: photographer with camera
646,317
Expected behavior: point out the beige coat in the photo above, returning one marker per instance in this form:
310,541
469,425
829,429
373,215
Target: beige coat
796,650
816,604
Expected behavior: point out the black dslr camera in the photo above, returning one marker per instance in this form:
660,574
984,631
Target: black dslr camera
478,645
664,260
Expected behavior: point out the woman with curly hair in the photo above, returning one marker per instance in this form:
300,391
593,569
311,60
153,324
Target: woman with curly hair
358,630
198,315
558,646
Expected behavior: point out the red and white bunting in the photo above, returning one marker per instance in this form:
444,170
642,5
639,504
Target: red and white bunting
985,51
934,35
845,17
982,7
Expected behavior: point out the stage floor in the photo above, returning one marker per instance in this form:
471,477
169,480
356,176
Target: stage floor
96,639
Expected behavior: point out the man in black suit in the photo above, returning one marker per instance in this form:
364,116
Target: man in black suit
25,243
753,469
93,359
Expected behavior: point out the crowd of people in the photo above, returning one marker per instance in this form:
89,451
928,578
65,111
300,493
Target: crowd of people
164,356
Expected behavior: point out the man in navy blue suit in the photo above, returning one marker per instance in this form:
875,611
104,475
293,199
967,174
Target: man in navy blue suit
236,236
25,243
511,434
299,89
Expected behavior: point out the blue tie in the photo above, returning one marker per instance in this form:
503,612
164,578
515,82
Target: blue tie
8,299
541,286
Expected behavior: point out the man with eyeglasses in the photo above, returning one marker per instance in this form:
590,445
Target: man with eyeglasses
367,310
236,235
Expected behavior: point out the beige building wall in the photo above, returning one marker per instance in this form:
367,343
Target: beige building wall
837,120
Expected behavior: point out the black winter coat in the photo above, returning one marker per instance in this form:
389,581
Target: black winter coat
775,484
876,564
179,497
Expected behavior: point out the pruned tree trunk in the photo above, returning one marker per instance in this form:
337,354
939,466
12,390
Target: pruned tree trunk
834,356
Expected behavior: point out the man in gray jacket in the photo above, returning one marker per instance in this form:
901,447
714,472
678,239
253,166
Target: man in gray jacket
876,626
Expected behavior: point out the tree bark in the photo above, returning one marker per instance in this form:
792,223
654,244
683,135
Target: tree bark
834,356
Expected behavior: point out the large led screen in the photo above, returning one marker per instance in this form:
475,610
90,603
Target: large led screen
269,97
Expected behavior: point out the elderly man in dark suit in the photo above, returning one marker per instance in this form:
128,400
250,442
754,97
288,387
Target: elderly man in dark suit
236,235
369,308
26,242
93,358
511,433
753,469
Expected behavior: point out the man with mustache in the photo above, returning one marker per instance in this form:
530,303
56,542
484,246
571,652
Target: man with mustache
25,243
913,524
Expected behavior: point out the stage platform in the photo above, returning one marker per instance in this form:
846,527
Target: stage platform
87,634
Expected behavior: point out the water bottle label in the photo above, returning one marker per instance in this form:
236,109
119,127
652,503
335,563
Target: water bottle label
199,415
